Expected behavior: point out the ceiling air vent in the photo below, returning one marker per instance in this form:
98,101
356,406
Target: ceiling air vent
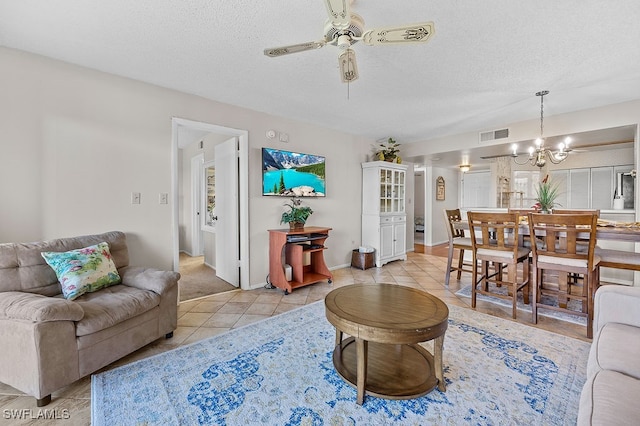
494,135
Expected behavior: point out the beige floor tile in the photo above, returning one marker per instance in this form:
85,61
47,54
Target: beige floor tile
207,306
204,333
274,296
193,319
234,308
221,320
244,296
261,309
298,297
180,334
249,319
285,307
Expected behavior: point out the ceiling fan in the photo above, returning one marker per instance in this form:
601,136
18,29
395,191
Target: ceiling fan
343,29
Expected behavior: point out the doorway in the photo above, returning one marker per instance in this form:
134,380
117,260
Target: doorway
192,235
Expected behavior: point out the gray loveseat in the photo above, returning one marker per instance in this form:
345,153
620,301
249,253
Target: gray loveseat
49,342
610,394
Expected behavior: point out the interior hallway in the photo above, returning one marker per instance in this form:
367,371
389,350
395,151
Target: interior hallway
199,280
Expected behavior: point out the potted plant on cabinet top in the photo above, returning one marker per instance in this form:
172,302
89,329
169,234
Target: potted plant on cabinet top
546,195
389,152
297,215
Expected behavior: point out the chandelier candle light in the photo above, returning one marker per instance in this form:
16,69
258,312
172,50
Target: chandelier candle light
538,155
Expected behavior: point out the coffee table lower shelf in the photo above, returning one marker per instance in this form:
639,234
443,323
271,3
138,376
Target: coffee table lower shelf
393,371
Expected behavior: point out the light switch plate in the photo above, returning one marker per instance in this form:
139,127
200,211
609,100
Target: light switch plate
163,198
135,198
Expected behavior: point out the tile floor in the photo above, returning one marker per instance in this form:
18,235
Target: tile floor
212,315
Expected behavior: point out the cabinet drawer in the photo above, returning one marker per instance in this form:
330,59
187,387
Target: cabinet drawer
386,219
397,219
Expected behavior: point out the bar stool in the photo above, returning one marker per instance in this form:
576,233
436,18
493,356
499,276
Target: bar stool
563,236
457,240
498,244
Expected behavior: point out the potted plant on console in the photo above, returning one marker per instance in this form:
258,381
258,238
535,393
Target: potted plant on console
297,214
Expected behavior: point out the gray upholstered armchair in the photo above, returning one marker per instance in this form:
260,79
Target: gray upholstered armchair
49,342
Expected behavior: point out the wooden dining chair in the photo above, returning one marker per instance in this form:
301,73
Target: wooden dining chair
563,234
457,240
523,214
494,237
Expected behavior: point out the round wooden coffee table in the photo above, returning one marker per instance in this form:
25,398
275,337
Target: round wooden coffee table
385,322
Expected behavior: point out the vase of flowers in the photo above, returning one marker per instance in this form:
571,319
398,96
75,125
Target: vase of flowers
297,214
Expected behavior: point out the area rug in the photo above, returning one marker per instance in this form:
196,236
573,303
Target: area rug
279,372
547,300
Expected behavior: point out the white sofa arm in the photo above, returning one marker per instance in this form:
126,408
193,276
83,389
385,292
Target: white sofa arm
616,303
17,305
158,281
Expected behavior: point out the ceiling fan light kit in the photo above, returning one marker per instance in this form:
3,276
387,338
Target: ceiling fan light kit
538,155
343,29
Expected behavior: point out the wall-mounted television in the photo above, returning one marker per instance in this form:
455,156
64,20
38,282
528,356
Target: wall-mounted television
292,174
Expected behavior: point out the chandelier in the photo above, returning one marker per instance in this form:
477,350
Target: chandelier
538,154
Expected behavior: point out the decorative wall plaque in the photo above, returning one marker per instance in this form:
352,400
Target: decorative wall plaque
440,188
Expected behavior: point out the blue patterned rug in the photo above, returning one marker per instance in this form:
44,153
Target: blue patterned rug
279,372
546,299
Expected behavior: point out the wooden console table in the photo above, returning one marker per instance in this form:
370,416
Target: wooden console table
291,247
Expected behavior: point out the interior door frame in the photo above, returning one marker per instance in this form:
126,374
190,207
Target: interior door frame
243,189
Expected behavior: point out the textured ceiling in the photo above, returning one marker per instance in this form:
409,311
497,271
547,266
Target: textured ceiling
480,71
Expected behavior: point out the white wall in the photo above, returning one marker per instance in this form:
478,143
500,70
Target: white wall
436,231
410,189
76,142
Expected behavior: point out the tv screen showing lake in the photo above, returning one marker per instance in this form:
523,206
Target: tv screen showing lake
292,174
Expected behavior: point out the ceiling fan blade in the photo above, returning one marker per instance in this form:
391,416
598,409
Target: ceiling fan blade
411,33
348,66
294,48
339,13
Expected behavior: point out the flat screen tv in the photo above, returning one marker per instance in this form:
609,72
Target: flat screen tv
292,174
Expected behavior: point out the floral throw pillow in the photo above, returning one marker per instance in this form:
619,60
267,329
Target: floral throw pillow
84,270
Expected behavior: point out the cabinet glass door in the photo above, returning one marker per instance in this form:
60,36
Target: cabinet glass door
398,191
392,184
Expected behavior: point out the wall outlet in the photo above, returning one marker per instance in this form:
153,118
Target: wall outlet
135,198
163,198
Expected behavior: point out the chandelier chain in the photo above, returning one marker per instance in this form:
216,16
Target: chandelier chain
541,115
539,154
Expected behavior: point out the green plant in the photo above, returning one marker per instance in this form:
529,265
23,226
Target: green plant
296,212
546,194
389,151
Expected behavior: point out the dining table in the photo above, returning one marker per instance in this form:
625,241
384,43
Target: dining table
605,230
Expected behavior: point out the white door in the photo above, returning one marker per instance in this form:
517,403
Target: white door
197,243
227,239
